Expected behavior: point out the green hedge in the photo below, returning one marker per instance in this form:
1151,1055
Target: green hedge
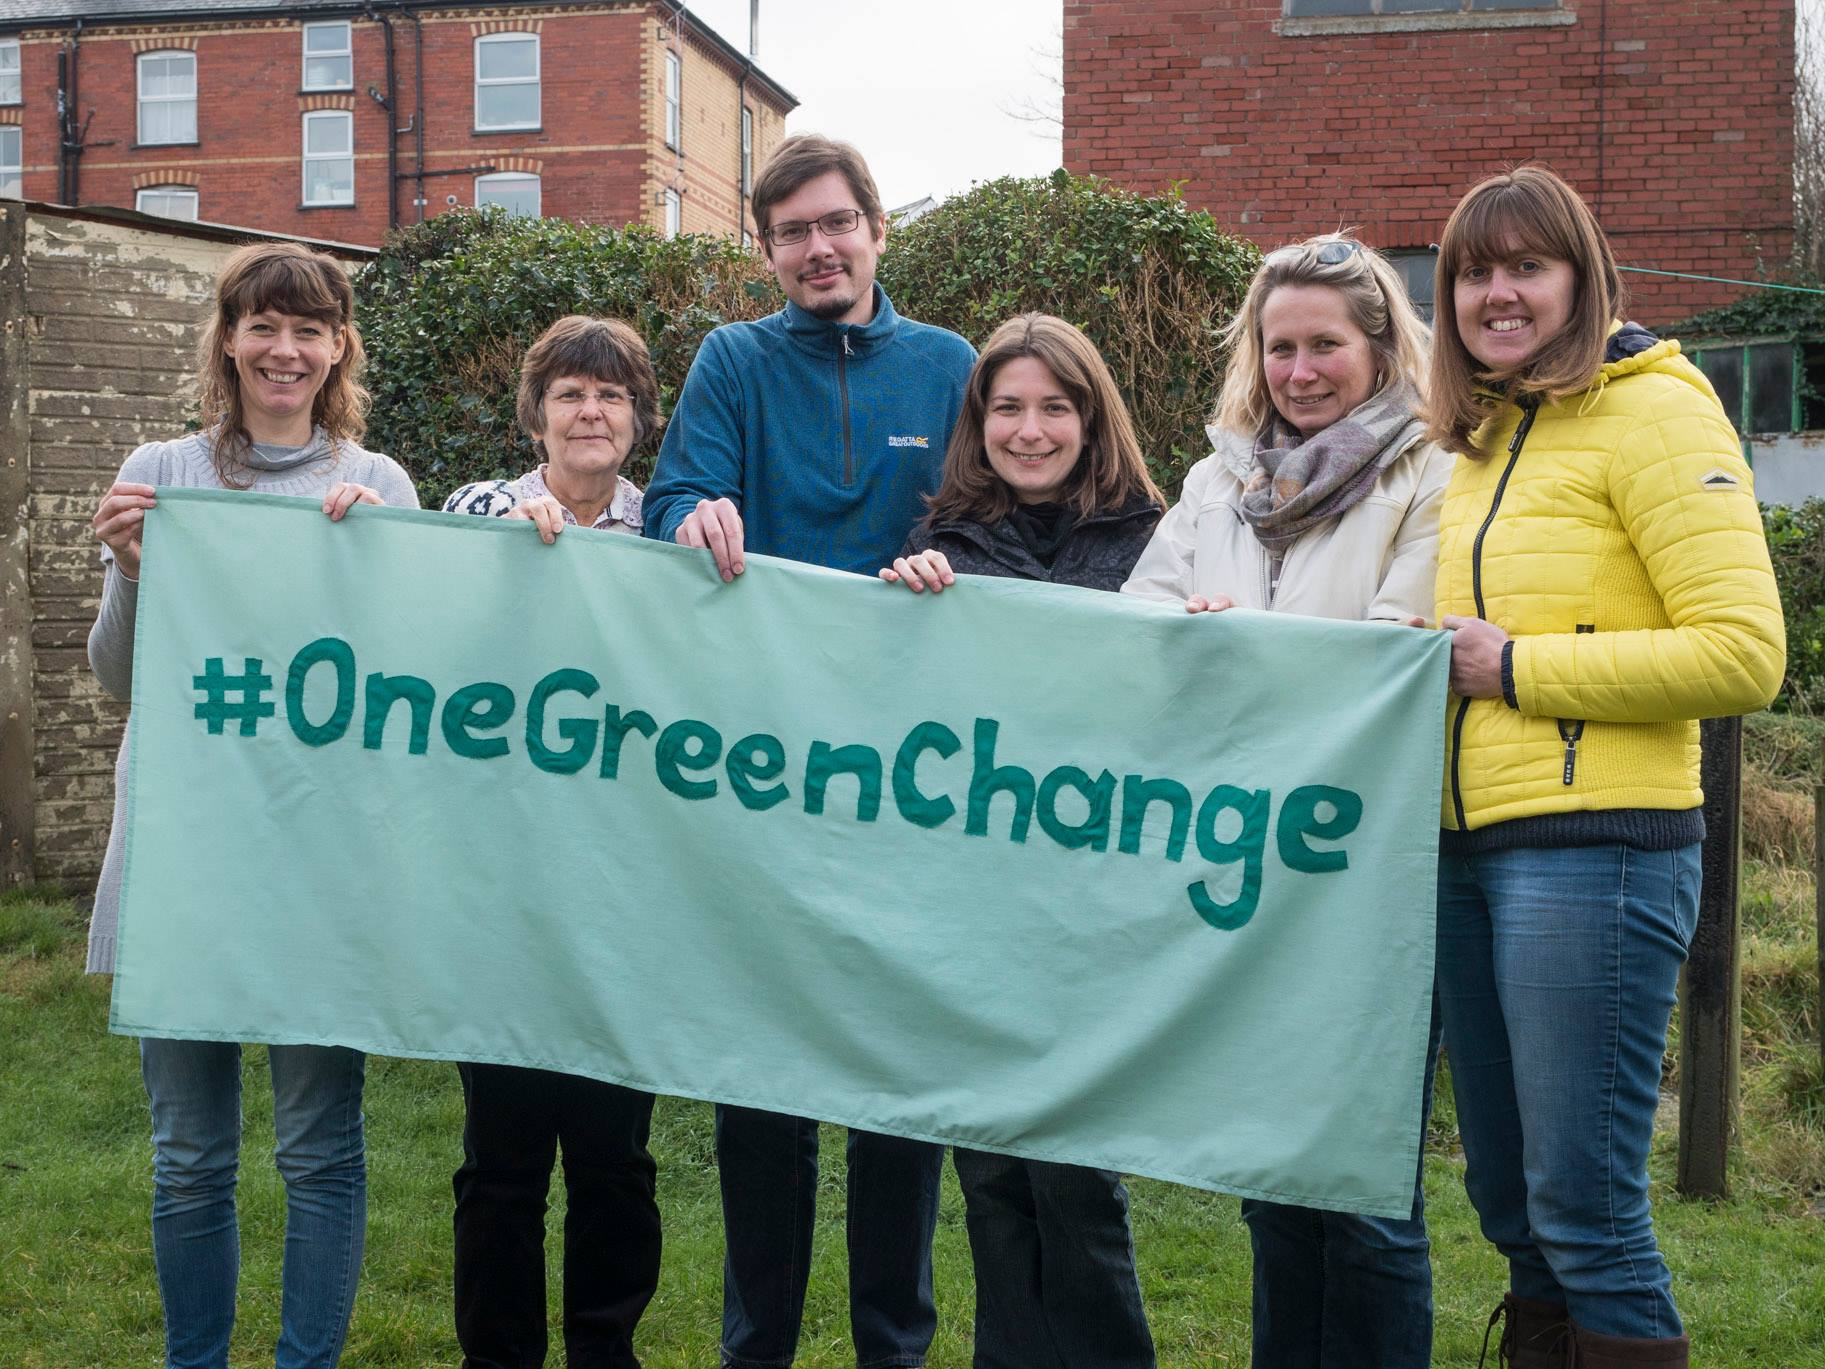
450,305
1151,281
1796,541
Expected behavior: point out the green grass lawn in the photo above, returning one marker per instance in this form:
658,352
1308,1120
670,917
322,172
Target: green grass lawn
77,1287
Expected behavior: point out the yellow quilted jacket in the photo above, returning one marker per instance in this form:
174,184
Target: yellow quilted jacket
1615,537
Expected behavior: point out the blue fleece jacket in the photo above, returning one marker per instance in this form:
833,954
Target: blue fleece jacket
826,435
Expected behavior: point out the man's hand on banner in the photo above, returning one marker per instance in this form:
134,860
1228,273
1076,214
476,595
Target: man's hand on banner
1216,603
715,524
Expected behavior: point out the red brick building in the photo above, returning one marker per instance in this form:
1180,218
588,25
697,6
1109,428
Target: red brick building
336,120
1290,117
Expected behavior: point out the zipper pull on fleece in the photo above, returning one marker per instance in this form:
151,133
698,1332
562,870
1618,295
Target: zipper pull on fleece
848,351
1571,756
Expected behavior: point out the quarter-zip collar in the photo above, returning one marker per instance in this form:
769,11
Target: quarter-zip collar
824,339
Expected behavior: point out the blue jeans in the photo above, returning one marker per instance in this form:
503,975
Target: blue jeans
768,1164
1334,1290
195,1091
1557,973
1054,1259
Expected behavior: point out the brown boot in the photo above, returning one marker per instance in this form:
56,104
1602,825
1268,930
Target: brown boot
1535,1335
1591,1351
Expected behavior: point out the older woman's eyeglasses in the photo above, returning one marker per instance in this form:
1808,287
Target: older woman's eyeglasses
832,225
1334,252
575,396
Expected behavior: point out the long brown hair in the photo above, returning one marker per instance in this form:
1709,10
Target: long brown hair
1378,306
1528,209
1109,473
286,278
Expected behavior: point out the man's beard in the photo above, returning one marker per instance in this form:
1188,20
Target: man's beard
832,308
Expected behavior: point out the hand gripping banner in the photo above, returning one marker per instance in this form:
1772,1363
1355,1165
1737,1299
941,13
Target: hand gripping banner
1037,870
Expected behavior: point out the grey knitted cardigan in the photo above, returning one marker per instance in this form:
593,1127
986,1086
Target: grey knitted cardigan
307,471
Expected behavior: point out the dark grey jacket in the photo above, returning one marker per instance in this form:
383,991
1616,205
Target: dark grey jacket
1098,553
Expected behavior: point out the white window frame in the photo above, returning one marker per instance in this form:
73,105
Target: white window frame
1377,9
306,157
747,151
12,78
674,101
142,99
12,162
346,52
501,178
178,191
537,79
674,211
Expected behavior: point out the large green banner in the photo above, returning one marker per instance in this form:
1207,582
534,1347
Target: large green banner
1037,870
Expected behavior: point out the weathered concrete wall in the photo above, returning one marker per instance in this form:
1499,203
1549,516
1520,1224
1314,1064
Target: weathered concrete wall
110,317
100,322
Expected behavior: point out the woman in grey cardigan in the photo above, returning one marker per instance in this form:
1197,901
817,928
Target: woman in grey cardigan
282,413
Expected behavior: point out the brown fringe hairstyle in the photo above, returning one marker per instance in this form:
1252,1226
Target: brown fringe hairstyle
1528,209
1378,306
286,278
1108,474
801,159
604,349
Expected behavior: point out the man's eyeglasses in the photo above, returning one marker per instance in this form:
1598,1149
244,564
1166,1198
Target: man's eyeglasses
832,225
1332,253
575,397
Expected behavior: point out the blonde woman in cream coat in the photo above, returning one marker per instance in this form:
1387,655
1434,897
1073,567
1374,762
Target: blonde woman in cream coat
1321,498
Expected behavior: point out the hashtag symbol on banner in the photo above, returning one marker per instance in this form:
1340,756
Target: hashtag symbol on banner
251,684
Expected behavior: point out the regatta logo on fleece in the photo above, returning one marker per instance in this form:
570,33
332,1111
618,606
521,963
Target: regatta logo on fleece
895,440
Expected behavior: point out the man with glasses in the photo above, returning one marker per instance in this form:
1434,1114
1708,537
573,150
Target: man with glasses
814,434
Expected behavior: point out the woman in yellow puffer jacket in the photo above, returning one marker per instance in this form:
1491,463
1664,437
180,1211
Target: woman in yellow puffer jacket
1603,570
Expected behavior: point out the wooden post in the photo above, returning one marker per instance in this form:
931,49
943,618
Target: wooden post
1818,888
1710,1005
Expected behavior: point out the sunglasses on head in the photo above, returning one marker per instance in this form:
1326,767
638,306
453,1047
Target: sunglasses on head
1332,252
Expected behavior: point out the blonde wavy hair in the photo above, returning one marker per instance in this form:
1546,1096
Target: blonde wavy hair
1378,306
286,278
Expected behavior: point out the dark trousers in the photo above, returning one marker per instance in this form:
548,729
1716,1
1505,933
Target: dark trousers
769,1207
1334,1290
517,1119
1054,1258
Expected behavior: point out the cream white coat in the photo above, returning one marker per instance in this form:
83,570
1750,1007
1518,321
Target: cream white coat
1378,561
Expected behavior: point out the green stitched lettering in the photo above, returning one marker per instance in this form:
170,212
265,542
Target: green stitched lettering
915,806
482,706
1099,794
1299,820
382,693
673,756
579,732
757,756
1137,794
987,779
331,651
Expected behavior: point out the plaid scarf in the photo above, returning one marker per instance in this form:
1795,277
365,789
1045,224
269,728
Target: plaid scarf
1298,482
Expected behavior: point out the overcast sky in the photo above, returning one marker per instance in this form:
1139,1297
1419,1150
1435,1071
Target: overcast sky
922,88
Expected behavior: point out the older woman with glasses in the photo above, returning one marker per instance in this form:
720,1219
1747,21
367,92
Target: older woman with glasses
587,398
1321,498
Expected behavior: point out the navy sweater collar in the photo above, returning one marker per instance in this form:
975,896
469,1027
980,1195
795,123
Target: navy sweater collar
826,339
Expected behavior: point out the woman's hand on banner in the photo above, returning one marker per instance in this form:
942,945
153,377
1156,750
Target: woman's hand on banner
715,524
1214,603
1476,656
921,571
344,495
545,513
120,520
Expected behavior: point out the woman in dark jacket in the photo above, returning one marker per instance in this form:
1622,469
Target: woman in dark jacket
1043,480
